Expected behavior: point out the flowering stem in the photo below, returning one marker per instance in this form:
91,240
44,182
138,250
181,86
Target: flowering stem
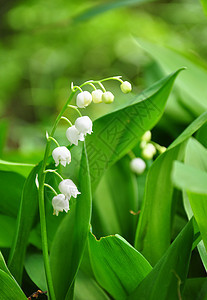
101,85
66,119
54,140
50,187
131,154
42,204
76,109
53,171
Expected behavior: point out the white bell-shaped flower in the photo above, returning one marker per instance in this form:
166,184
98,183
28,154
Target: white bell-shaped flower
84,125
126,87
83,99
148,151
147,136
60,203
108,97
73,135
68,188
97,96
137,165
61,155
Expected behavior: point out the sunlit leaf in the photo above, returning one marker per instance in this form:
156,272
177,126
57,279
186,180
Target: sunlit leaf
117,266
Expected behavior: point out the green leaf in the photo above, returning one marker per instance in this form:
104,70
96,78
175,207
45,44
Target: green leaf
87,288
27,212
34,266
3,134
167,278
7,225
189,178
9,289
103,7
155,222
117,266
3,265
194,181
23,169
195,288
70,239
111,211
10,197
192,82
118,132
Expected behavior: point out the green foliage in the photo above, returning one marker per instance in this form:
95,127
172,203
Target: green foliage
117,266
171,269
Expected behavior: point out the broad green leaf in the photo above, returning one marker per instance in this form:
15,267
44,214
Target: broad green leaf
194,181
34,266
87,288
192,82
111,211
196,155
20,168
117,266
167,278
153,234
189,178
9,289
70,239
116,133
7,225
10,192
3,265
101,8
27,212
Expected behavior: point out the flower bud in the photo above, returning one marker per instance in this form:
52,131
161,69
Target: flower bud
60,203
61,155
74,136
68,188
149,151
108,97
97,96
137,165
126,87
83,99
84,125
162,149
146,136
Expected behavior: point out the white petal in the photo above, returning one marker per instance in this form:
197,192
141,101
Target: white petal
68,188
137,165
84,125
73,135
60,203
97,96
61,155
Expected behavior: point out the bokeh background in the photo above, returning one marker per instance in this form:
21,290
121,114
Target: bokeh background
46,45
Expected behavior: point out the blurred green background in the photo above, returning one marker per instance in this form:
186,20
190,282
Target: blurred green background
46,45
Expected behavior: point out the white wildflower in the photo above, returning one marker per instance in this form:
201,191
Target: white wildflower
68,188
83,99
126,87
61,155
73,135
137,165
60,203
146,136
148,151
108,97
97,96
84,125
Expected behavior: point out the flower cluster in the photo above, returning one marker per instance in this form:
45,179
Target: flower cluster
148,150
61,155
76,132
84,98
